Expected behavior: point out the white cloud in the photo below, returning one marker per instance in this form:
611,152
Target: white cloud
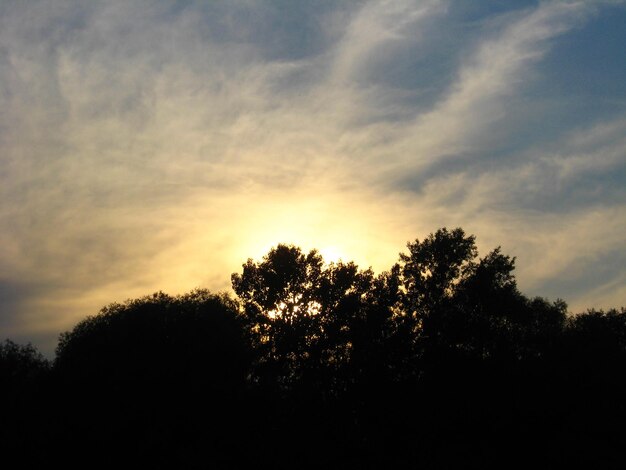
465,120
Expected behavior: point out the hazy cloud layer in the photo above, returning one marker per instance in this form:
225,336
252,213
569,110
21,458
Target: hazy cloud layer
156,145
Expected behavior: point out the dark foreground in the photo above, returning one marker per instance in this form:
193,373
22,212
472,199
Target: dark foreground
439,363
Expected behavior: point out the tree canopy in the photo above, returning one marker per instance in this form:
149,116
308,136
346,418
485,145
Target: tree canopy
438,362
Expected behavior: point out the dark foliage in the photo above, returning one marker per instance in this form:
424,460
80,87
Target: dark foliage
20,367
438,363
23,373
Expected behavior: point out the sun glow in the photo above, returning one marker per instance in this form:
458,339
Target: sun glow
310,223
242,227
317,222
332,254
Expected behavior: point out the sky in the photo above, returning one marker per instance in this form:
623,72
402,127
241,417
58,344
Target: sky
157,145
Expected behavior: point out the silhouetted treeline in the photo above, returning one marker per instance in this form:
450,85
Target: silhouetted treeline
438,363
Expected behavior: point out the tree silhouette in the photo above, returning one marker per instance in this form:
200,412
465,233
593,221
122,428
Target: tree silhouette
321,335
20,365
458,303
305,317
23,375
154,377
444,339
440,362
281,304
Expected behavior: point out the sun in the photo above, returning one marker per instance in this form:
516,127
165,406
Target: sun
331,254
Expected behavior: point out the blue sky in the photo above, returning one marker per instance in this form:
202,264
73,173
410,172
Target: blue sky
156,145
